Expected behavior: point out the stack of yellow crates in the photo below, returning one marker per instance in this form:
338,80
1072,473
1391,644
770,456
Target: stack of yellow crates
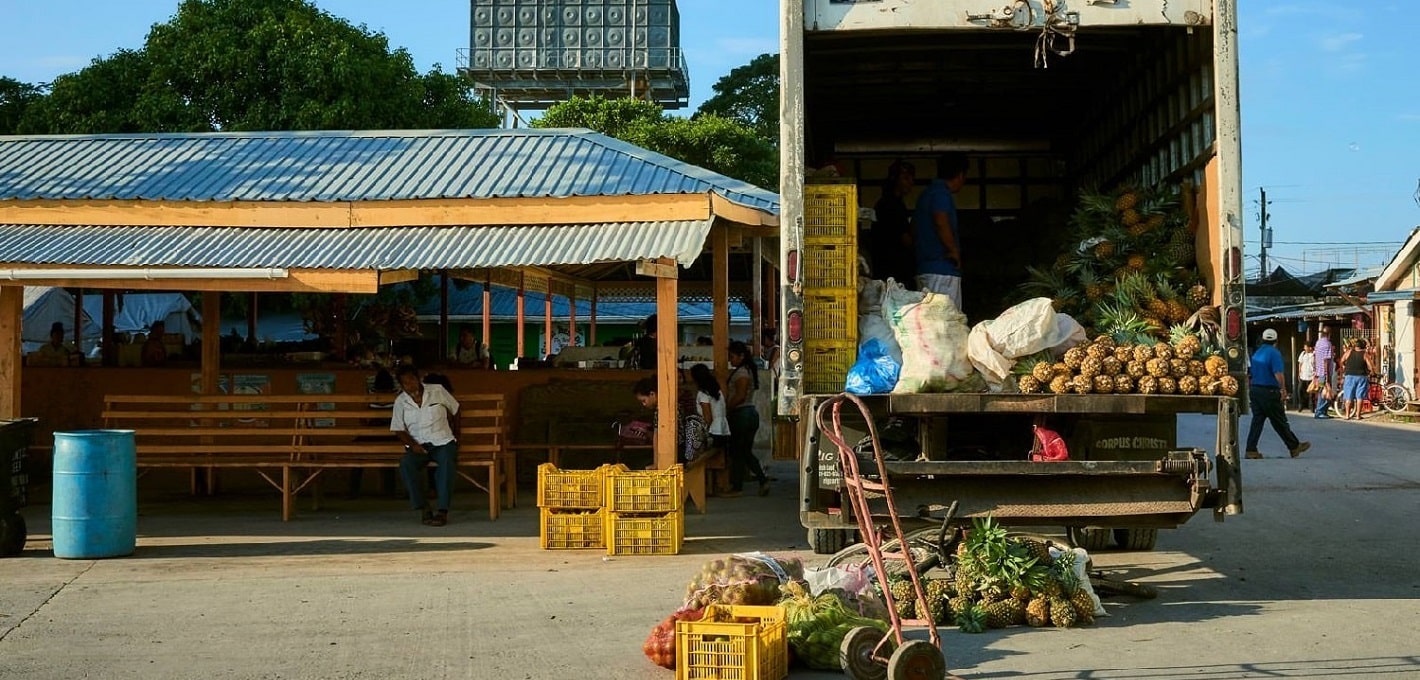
570,503
644,512
830,262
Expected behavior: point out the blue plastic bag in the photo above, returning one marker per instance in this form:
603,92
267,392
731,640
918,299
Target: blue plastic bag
875,372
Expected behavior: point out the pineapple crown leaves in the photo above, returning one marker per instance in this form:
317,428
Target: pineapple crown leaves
1063,569
1026,364
972,619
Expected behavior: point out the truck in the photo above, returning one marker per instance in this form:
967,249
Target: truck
1047,99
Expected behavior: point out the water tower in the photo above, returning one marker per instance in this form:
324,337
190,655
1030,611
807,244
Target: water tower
531,54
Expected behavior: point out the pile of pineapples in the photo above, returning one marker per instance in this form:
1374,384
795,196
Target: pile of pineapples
1134,256
1106,366
1001,581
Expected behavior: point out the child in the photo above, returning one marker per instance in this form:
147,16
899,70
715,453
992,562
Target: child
711,403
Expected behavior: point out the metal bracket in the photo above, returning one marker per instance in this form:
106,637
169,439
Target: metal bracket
1018,15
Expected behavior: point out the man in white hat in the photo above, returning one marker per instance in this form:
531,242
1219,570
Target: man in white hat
1267,393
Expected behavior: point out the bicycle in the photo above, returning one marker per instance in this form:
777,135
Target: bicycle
1391,396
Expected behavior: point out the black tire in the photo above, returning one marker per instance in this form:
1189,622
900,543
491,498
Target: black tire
12,535
855,654
917,660
923,544
1090,539
829,541
1395,398
1136,539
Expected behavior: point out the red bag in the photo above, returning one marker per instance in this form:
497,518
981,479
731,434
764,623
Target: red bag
1049,446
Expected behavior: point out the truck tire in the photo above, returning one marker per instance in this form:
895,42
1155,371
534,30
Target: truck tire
829,541
1136,539
12,535
1092,540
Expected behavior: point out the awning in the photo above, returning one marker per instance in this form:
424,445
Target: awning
377,249
1393,295
1326,312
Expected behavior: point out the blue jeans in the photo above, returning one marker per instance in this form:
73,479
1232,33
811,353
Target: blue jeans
1322,403
412,466
744,423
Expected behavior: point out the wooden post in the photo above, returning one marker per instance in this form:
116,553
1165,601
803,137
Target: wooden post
756,295
547,324
251,319
572,317
12,310
592,327
522,317
667,387
342,340
108,335
488,320
720,265
79,321
444,315
211,340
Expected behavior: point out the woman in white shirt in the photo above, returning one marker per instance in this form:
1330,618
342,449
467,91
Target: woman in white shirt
425,418
1306,373
711,402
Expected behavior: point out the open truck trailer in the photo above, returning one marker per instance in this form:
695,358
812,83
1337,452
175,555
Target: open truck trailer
1047,99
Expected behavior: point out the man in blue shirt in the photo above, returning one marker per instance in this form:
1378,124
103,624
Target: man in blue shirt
1268,393
937,231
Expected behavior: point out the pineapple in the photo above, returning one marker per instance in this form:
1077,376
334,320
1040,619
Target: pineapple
1217,366
1130,218
1228,386
1178,312
1016,612
937,591
1082,385
1020,592
1084,605
1038,550
1147,385
972,619
1178,368
1038,612
1096,350
1188,385
1059,368
960,604
1143,353
1104,250
1136,369
1041,372
1127,200
1196,368
1104,384
1091,367
1029,385
1208,386
1157,367
1136,262
1094,287
1105,341
1060,384
1157,309
1168,385
1162,350
998,613
1111,366
1186,344
1180,248
1124,354
1123,384
1198,296
904,598
1062,613
1156,324
1155,221
1073,357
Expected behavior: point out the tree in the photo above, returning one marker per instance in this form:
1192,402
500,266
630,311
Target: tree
15,98
749,94
256,65
709,141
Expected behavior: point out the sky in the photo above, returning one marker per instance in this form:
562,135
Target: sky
1330,102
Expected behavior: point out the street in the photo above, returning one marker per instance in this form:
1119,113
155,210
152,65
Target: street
1316,580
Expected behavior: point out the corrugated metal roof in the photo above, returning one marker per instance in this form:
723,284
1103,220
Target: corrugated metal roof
351,166
1310,312
384,248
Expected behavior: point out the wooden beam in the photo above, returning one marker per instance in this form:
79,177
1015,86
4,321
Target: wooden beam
211,341
343,214
12,309
398,276
756,298
750,217
667,383
657,269
720,305
296,281
488,320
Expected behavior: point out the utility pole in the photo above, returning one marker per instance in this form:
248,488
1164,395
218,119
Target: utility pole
1266,234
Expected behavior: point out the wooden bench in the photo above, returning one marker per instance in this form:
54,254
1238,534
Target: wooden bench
289,440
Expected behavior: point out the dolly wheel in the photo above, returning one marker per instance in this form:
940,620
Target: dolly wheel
856,654
917,660
12,534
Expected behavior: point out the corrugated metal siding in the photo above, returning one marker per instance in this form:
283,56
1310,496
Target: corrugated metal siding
382,248
351,166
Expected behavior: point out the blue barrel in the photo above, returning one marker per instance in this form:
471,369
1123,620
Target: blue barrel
95,494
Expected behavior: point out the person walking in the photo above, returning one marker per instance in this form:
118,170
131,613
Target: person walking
1324,355
1267,394
1356,365
1306,375
744,419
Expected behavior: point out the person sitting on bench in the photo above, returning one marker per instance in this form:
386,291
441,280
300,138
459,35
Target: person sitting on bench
425,418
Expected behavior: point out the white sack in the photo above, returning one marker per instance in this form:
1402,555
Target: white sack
1024,329
994,367
933,335
1068,333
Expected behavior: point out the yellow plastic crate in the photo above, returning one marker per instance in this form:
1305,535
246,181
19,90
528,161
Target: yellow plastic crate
826,365
733,651
831,266
645,490
830,212
661,534
832,316
572,529
572,489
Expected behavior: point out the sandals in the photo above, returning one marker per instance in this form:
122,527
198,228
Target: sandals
440,519
427,518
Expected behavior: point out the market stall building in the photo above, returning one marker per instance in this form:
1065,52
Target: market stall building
562,213
1396,297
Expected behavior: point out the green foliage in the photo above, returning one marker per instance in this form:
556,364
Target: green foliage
15,98
711,142
749,95
255,65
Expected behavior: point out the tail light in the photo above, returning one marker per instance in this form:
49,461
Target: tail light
795,330
1235,323
1234,265
791,266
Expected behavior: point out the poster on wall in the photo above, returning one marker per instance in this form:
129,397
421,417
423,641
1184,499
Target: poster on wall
223,387
318,383
251,383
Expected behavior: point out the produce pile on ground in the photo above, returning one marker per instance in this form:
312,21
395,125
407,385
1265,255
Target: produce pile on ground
1106,365
1001,581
